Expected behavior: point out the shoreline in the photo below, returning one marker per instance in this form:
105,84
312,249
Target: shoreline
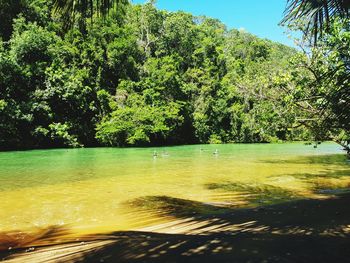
306,143
300,226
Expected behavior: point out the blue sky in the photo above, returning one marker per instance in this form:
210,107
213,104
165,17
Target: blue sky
260,17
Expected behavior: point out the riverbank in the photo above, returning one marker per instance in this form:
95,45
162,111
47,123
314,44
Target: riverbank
296,231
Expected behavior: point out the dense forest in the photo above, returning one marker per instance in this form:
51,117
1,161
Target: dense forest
143,76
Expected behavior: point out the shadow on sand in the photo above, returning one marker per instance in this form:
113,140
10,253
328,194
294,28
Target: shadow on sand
297,231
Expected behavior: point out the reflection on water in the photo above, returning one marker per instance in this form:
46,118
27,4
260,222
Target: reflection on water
100,190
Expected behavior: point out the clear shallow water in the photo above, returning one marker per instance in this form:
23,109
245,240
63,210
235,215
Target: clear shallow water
106,189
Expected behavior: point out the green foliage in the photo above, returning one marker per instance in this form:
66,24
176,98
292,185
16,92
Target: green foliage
60,131
322,85
134,122
31,10
79,11
159,78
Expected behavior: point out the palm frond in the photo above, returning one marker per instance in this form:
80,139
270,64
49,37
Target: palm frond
71,10
316,14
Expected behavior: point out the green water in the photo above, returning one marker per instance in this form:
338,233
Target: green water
102,189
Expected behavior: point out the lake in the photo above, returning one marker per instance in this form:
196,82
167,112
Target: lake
105,189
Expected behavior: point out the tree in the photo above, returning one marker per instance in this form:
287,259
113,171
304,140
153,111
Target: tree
159,78
135,122
316,14
32,10
323,82
72,11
